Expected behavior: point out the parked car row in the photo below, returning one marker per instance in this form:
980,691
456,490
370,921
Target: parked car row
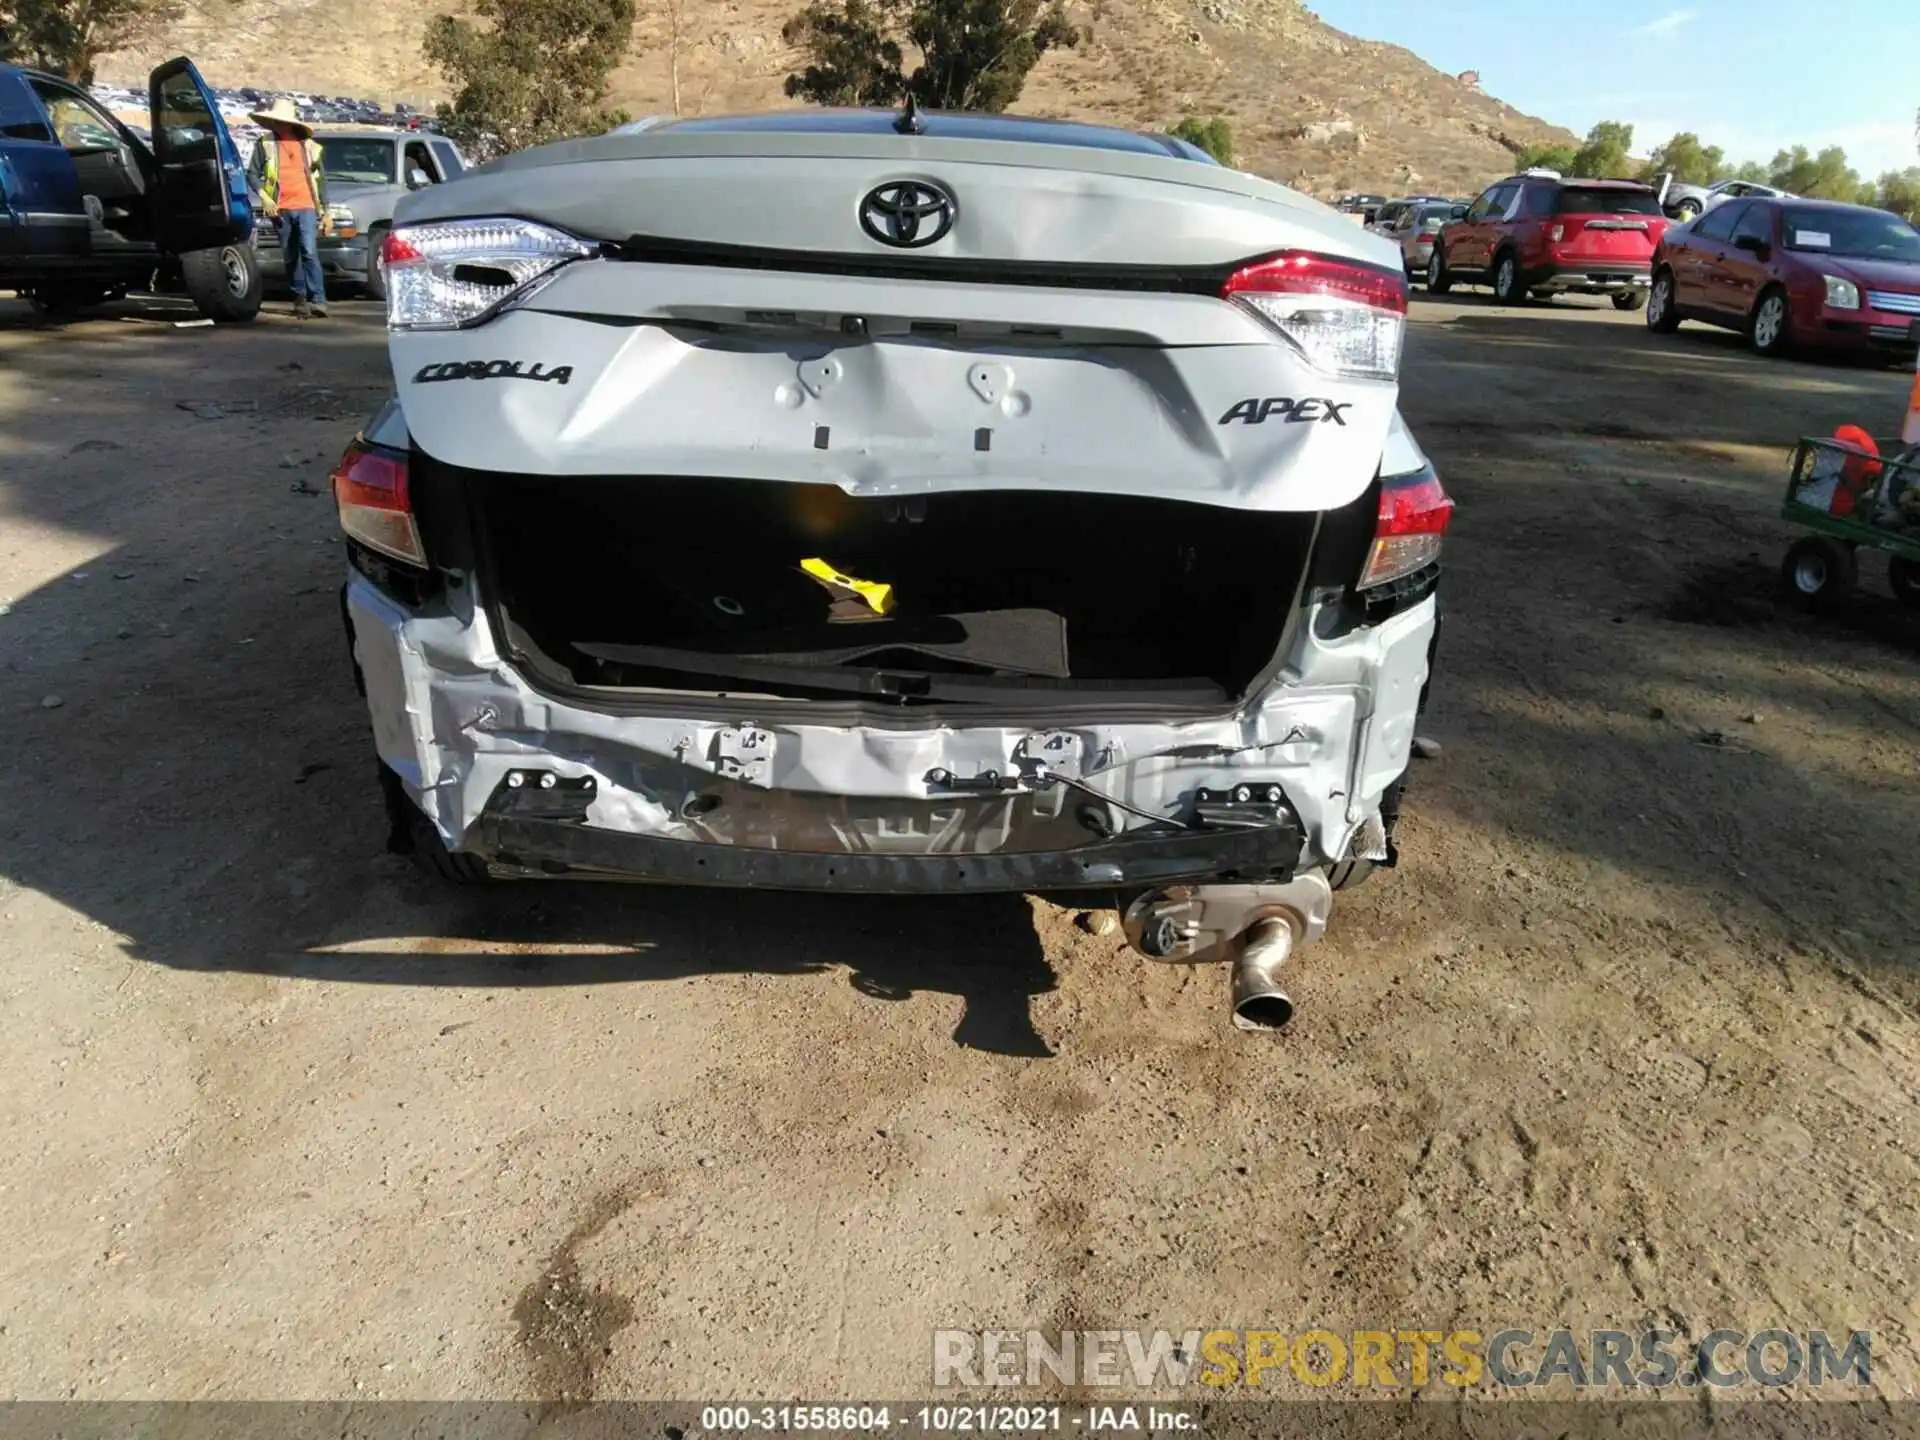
1367,207
236,104
1787,272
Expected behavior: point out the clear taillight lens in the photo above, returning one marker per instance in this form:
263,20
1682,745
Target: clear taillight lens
1414,511
370,492
1344,317
460,272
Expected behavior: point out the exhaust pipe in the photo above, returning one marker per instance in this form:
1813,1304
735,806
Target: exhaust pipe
1258,1001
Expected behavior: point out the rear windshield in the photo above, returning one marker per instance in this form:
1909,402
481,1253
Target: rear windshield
357,162
1433,216
1867,234
1599,200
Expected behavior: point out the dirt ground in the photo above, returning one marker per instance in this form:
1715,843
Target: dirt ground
1630,1039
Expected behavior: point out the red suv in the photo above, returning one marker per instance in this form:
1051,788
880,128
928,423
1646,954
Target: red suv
1540,234
1793,272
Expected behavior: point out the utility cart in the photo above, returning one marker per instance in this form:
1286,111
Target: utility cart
1853,493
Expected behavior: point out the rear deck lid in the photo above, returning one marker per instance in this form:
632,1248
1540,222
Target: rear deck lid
985,306
972,189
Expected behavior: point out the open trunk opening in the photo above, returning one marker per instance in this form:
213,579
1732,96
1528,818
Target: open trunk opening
740,586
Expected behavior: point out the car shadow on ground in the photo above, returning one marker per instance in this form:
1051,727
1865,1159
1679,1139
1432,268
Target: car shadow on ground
980,949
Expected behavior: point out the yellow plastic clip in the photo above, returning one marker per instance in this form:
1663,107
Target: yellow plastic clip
878,596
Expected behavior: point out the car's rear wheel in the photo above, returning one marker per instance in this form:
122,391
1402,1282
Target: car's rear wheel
376,285
1630,300
1686,212
1768,328
1438,281
224,282
1663,315
1903,576
1507,289
1820,574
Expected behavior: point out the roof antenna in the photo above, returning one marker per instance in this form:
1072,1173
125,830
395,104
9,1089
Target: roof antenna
909,121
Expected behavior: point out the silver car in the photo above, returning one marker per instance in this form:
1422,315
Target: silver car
1412,224
917,504
1686,203
367,171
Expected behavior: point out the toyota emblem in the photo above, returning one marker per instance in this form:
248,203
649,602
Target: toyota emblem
908,213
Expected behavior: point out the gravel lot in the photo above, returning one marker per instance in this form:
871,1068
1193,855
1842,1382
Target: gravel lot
1629,1039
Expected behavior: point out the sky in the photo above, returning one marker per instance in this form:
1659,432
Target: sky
1752,77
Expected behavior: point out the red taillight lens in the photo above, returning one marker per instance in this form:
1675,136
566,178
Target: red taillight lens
1298,272
370,492
1344,317
1414,511
397,250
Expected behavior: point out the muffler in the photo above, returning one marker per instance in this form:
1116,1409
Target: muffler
1258,1001
1255,928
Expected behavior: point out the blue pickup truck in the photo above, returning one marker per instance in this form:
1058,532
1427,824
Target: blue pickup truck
88,210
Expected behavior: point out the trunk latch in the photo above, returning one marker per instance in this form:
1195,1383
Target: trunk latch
744,753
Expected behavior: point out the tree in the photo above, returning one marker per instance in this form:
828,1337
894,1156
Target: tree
1825,176
974,54
1899,191
67,37
537,72
850,59
1546,157
1214,136
1606,152
1687,160
1752,171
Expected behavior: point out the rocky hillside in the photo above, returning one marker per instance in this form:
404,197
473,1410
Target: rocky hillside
1310,106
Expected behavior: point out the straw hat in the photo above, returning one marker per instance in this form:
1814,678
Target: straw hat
281,115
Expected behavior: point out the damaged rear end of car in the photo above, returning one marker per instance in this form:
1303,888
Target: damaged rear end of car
794,503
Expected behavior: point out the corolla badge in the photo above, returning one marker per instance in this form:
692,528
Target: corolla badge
908,213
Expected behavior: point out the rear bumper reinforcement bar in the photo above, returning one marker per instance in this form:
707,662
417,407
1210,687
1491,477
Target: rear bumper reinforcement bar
508,834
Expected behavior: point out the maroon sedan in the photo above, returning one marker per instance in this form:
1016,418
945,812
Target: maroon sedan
1810,273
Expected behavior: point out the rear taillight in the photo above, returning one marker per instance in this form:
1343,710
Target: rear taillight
1557,233
1414,511
453,273
370,492
1344,317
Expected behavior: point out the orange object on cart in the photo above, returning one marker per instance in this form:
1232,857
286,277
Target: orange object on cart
1858,472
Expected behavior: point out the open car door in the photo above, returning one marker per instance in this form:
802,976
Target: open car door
201,199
